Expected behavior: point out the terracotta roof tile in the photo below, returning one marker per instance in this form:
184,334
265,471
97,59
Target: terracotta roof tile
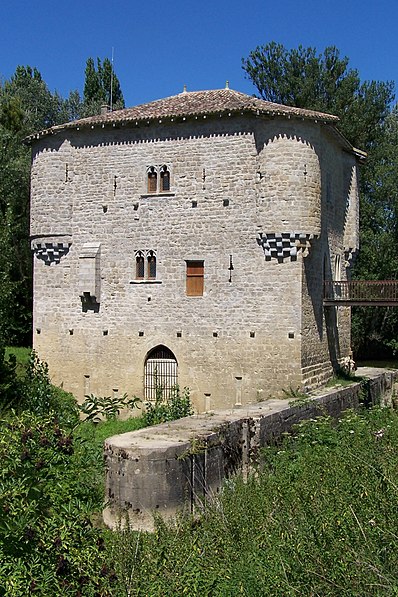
191,104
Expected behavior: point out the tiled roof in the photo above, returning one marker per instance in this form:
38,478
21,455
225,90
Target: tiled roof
194,104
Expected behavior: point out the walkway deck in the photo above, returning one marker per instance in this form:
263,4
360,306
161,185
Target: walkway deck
365,293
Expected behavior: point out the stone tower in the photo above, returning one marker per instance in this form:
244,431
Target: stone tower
186,241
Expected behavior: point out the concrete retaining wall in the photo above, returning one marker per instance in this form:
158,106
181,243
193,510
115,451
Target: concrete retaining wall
169,467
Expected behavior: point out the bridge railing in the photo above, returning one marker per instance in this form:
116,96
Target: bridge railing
361,292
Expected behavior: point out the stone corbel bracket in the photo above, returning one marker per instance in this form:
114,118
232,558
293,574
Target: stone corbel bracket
284,245
51,249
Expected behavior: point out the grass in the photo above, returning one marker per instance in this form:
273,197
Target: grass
320,517
342,381
99,432
22,356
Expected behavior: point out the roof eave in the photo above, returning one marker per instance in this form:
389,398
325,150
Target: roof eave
83,123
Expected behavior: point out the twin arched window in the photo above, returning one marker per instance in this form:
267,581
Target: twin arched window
158,179
147,258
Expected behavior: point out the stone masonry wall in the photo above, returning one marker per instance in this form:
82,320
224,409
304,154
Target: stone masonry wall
236,186
330,326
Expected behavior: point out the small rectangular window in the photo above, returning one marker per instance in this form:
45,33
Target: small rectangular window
195,278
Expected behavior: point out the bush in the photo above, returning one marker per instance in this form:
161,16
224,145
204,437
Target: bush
32,390
49,489
164,409
47,543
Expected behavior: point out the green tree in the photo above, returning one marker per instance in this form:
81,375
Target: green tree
376,329
301,77
15,258
101,86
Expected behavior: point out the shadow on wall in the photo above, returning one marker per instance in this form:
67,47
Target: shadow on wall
332,332
325,317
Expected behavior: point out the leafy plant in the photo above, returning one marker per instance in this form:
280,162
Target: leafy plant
47,496
107,407
175,406
296,396
31,390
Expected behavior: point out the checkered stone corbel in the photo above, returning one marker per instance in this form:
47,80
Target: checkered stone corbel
50,252
284,245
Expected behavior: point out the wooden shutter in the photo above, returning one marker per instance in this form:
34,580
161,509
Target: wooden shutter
195,278
152,182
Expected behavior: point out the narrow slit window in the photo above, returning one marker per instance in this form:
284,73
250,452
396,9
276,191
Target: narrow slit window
164,180
195,278
151,266
152,180
139,267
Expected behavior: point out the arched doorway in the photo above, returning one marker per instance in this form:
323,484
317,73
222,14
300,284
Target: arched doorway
161,374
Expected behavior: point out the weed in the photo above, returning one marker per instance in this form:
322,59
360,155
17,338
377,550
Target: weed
97,408
318,519
164,409
297,396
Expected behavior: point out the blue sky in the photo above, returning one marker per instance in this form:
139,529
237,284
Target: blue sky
161,46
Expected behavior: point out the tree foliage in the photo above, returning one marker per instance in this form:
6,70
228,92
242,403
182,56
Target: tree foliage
301,77
48,491
26,105
101,87
376,329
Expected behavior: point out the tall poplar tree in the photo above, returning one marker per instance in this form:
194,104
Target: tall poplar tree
101,87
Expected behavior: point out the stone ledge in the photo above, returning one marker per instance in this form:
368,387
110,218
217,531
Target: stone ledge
178,465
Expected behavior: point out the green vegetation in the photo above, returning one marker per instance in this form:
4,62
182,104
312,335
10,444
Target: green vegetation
52,483
49,489
319,518
21,354
343,378
164,409
97,408
99,80
323,81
